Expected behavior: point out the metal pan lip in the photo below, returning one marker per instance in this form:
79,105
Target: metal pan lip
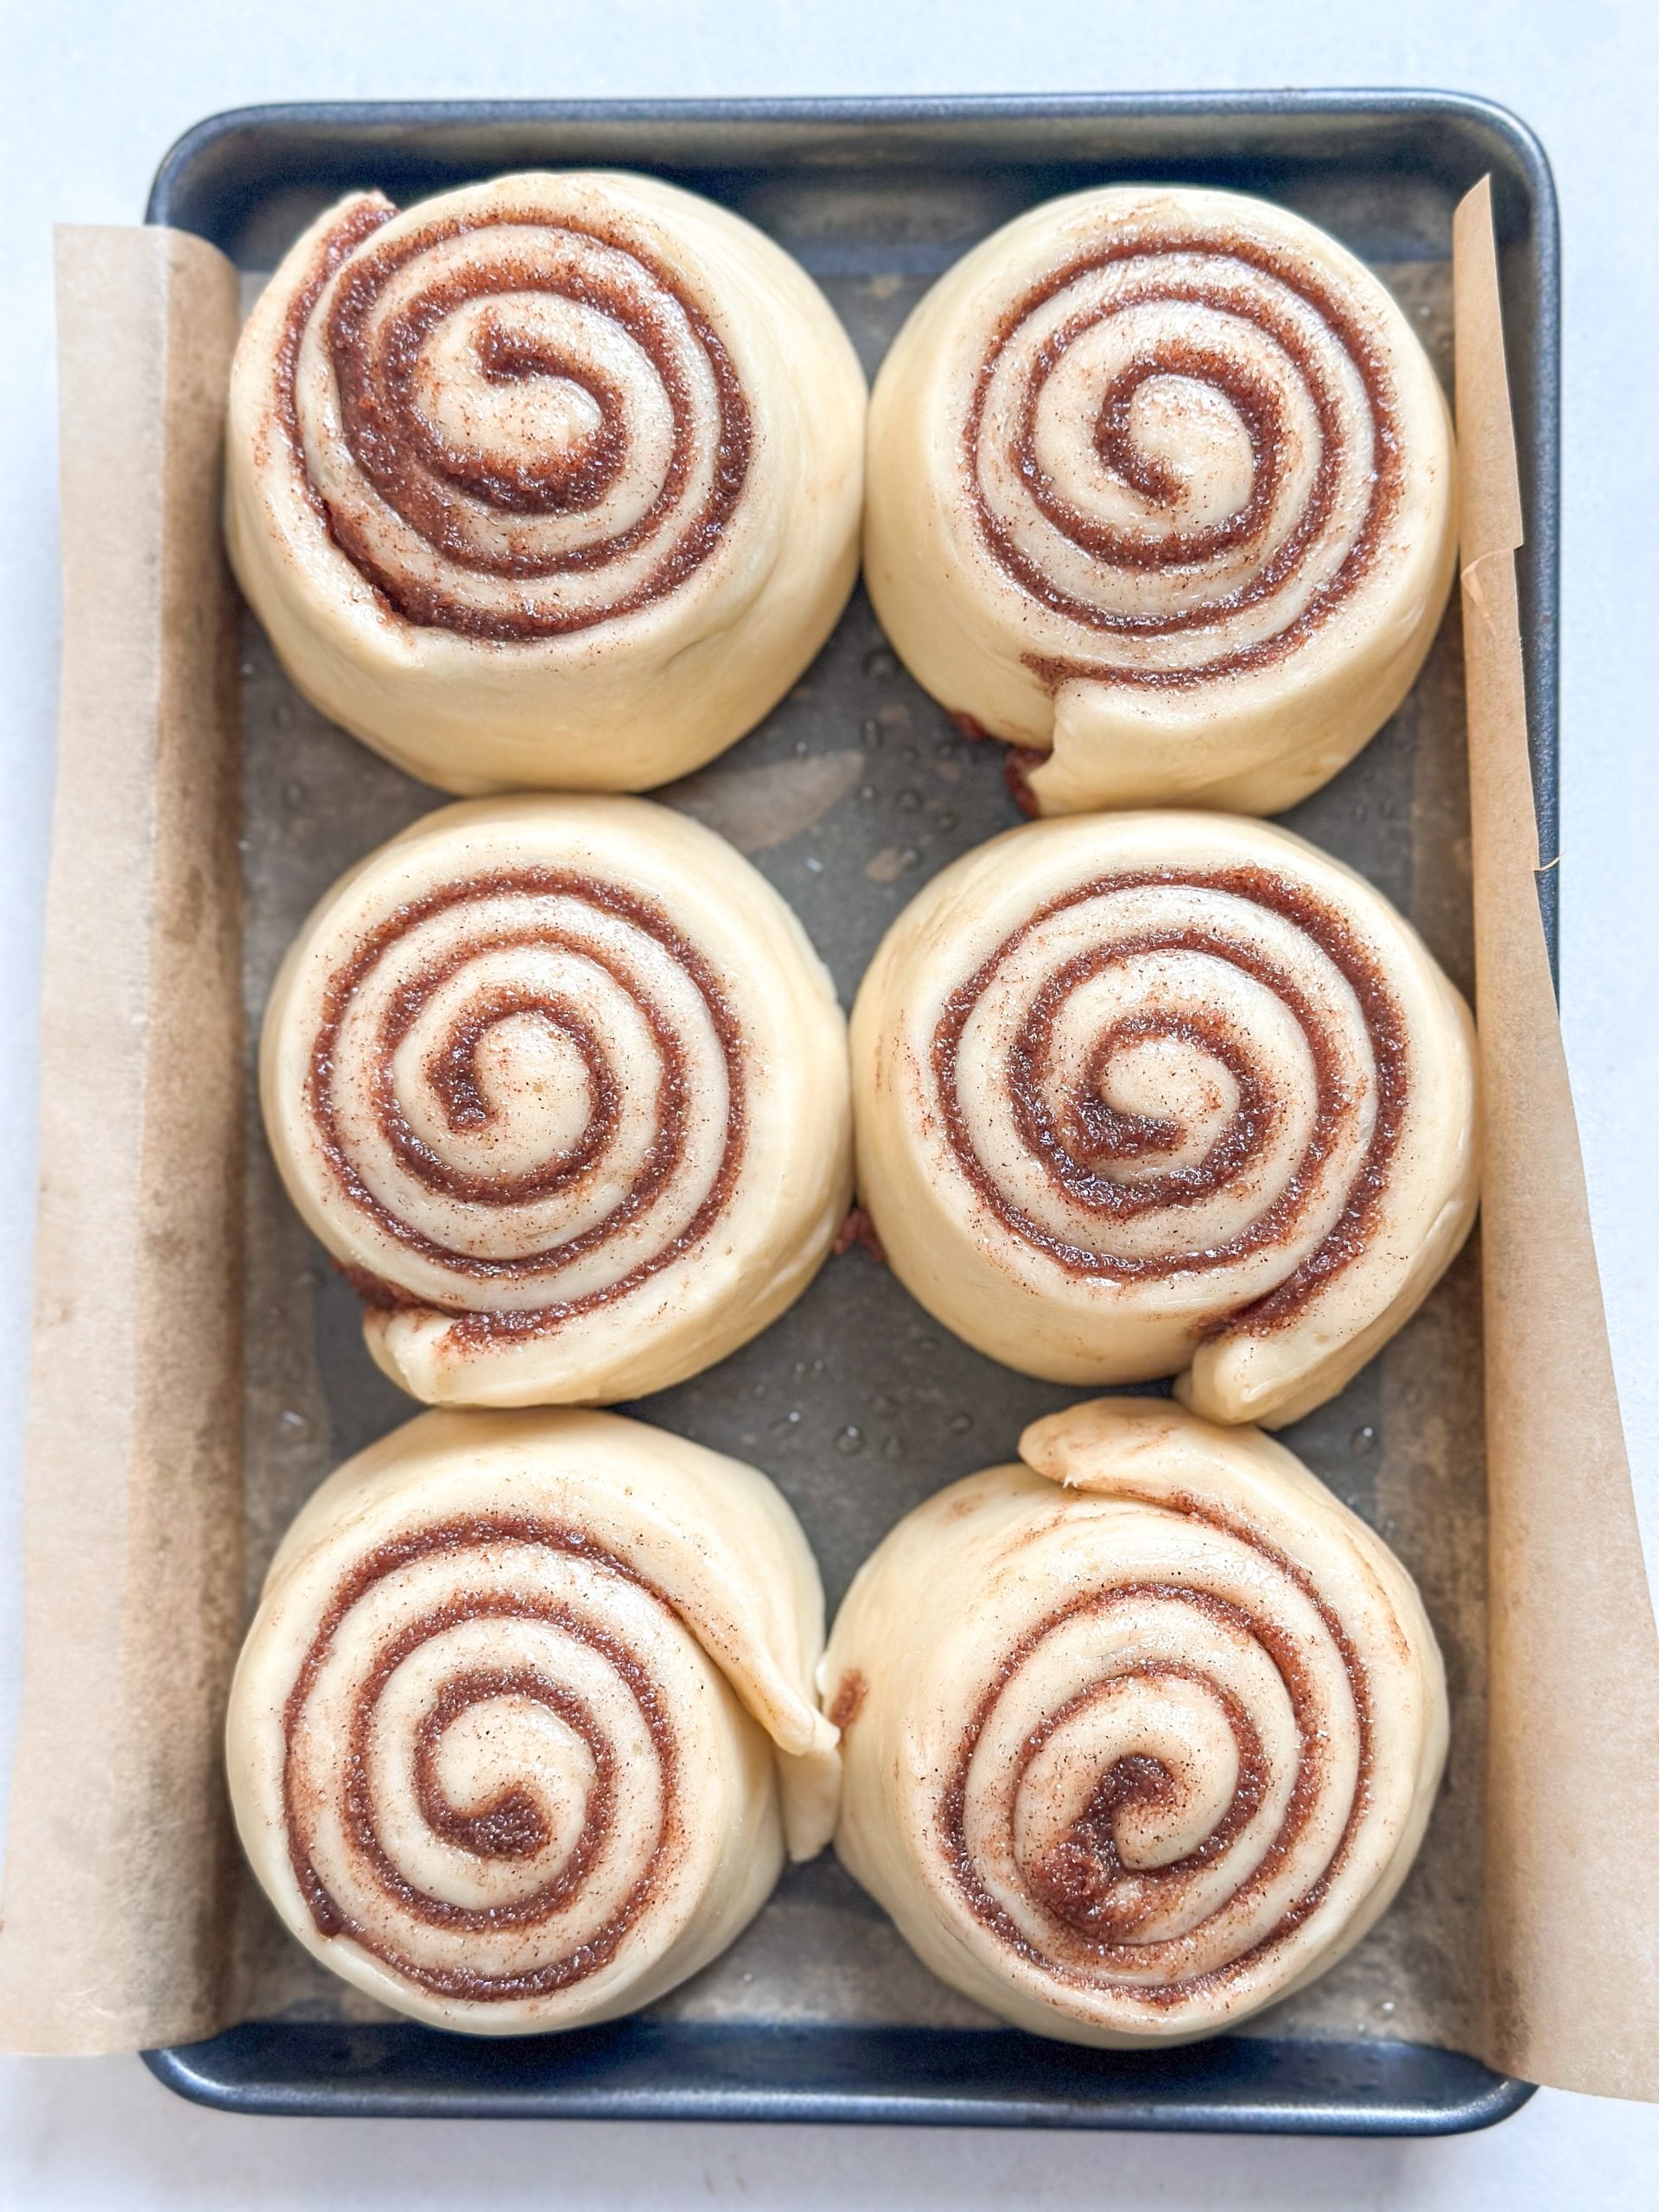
384,118
648,2069
644,2070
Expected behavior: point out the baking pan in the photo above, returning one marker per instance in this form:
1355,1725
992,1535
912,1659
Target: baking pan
854,1402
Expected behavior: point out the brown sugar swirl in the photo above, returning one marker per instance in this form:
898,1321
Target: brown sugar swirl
1171,1728
1290,380
1165,1092
499,942
1162,493
542,1869
1157,1920
512,1075
1110,1167
526,425
516,1683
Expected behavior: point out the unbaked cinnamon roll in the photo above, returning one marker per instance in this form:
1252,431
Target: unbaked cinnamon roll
562,1086
523,1727
552,481
1165,1094
1138,1737
1161,491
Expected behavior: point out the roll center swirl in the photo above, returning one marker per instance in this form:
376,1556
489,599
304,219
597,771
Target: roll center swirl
1137,1098
534,1086
1186,446
563,1882
1181,1806
516,428
513,1824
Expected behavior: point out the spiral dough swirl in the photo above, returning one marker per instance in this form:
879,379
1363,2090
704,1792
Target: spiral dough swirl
515,1091
522,414
1197,1088
527,1648
450,971
1198,515
1059,1100
485,1721
1191,1725
1268,360
467,509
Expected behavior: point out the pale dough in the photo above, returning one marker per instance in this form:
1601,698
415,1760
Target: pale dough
524,1725
564,1085
1165,1094
1162,488
1138,1737
553,480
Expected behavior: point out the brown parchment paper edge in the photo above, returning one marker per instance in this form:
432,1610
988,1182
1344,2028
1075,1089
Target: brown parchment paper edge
1573,1747
118,1854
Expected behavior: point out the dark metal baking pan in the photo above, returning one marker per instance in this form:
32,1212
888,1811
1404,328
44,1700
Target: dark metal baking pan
957,2077
877,198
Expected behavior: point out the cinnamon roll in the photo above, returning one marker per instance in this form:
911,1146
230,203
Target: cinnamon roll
562,1086
1165,1094
1138,1737
552,481
523,1726
1161,491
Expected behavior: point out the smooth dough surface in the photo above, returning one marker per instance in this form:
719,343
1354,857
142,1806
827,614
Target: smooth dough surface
1137,1736
1165,1094
524,1725
553,480
1162,489
562,1084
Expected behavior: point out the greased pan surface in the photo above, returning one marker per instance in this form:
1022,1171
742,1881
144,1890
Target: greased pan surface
849,796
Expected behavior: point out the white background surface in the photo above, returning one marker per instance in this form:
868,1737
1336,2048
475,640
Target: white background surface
92,95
